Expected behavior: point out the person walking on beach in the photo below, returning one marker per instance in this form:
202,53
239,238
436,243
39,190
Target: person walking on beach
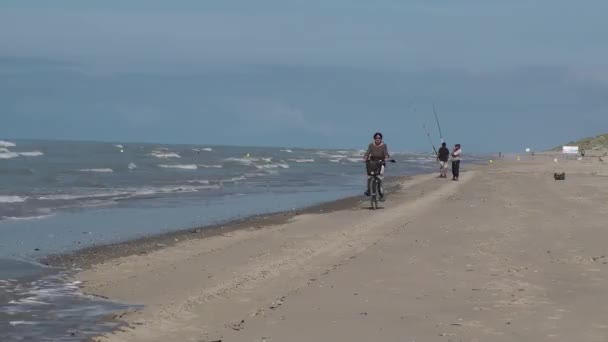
377,154
456,162
442,156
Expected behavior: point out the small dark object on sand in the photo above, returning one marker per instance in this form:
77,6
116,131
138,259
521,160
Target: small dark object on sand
559,176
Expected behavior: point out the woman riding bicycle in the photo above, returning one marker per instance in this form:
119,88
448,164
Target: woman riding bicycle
376,155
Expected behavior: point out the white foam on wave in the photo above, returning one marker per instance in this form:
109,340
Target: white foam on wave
68,197
4,143
15,323
288,151
8,155
31,154
272,166
208,149
102,170
244,161
12,199
119,146
160,154
354,160
132,166
180,166
334,160
303,160
211,166
27,218
127,193
236,179
204,181
256,174
334,156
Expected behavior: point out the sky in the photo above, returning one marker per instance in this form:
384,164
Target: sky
503,75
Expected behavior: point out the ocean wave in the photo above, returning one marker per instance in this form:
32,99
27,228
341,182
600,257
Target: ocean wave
235,179
12,199
69,197
127,193
160,154
178,189
102,170
119,146
243,161
132,166
6,154
31,154
4,143
256,174
288,151
272,166
15,323
180,166
204,181
334,160
208,149
27,218
303,160
9,155
211,166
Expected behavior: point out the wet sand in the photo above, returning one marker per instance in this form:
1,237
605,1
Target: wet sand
505,254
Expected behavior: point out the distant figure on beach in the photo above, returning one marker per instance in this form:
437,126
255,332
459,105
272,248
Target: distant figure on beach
377,153
443,155
456,162
499,155
582,152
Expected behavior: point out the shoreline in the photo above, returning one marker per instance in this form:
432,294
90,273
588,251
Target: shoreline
87,257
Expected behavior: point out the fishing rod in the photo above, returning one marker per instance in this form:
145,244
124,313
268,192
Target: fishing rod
438,126
428,134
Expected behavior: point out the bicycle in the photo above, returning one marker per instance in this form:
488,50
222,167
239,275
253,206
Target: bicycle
374,181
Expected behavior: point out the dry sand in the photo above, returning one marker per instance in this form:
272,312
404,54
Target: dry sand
505,254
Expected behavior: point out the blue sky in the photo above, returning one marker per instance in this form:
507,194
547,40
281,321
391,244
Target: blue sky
504,75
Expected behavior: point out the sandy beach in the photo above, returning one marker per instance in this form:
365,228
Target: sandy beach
505,254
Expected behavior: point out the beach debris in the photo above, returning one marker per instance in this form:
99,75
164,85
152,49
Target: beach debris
559,176
237,326
278,303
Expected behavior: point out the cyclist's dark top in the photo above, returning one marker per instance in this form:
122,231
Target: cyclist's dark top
377,152
443,154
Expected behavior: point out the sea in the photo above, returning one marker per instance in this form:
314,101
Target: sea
58,197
